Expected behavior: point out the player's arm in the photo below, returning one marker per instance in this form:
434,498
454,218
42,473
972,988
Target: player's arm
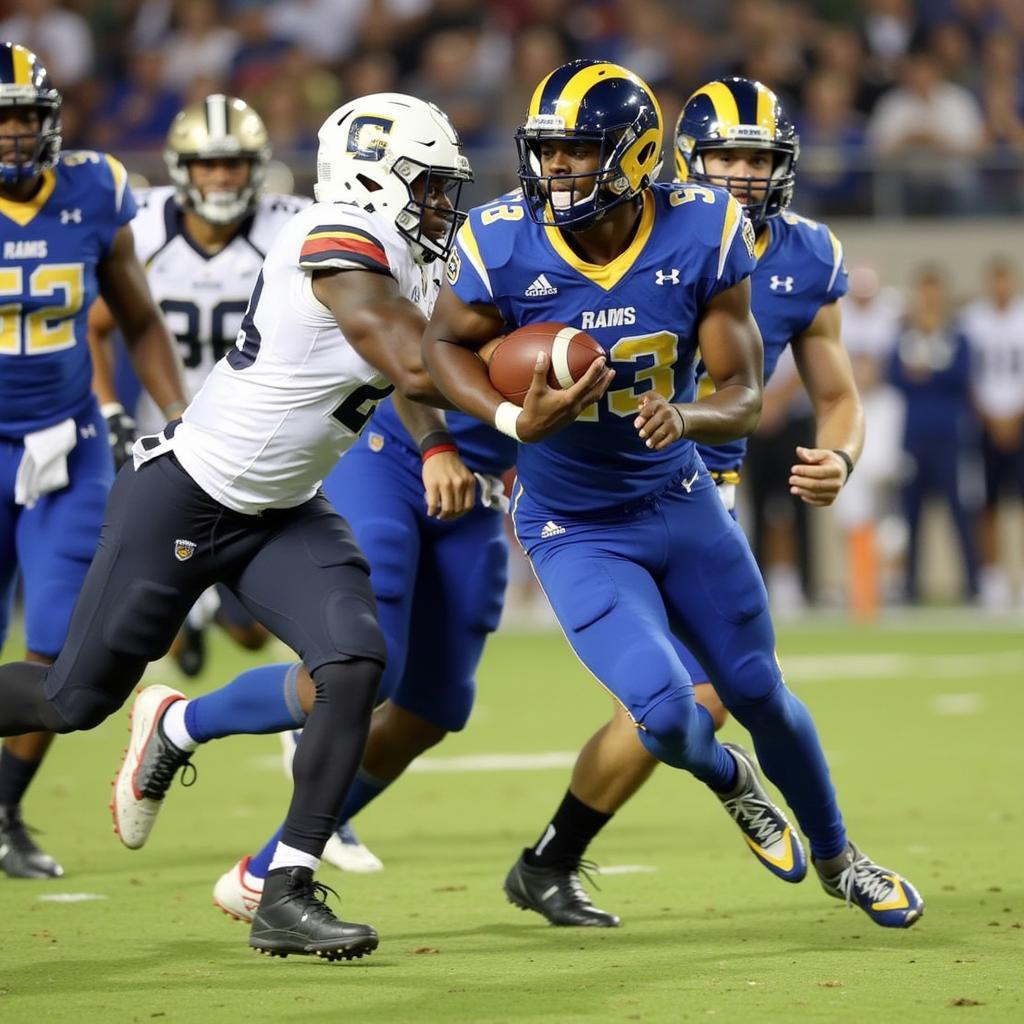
731,347
120,426
827,375
457,330
382,325
448,483
123,286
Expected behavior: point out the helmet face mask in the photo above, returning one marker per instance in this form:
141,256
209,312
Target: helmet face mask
218,127
24,86
597,103
395,154
740,114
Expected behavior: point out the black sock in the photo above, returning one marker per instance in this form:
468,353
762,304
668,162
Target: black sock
567,836
328,755
15,776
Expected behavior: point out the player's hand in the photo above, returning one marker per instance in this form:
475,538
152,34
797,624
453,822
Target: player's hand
547,410
449,486
120,432
658,422
819,476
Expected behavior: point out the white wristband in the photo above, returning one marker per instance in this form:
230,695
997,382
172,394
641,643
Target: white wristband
505,418
108,409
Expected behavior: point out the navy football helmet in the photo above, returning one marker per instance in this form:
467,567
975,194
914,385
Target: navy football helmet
738,113
25,83
592,101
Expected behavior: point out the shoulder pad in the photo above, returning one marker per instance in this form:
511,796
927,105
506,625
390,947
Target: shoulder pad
817,241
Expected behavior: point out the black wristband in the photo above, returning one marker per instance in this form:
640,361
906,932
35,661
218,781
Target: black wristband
434,439
845,456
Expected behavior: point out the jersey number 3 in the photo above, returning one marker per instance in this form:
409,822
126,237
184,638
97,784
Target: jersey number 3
43,329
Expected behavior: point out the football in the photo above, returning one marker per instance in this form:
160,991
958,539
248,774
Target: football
513,358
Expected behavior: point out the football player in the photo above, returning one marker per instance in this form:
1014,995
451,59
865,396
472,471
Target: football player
617,511
65,238
202,241
231,493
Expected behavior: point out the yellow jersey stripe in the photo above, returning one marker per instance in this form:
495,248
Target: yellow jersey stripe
568,103
762,242
731,224
22,67
120,178
837,258
472,251
607,275
723,101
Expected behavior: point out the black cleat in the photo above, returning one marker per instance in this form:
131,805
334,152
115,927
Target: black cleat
557,894
293,917
190,650
20,857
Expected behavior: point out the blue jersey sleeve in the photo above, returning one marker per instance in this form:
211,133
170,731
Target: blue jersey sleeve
466,271
728,238
110,196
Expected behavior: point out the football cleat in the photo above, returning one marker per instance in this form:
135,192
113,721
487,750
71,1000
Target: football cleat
346,853
149,765
233,895
886,897
20,857
765,827
557,894
293,917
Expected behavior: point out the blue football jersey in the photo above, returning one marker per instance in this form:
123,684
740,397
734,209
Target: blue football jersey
643,307
481,447
799,270
51,246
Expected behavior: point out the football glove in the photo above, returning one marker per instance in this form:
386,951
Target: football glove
120,432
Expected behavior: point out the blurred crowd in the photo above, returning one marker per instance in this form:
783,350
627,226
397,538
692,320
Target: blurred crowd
942,381
903,107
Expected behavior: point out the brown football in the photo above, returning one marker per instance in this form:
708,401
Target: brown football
512,360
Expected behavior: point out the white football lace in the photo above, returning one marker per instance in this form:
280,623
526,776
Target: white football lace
756,816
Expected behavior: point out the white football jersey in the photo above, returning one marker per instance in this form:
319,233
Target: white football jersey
278,411
996,338
202,297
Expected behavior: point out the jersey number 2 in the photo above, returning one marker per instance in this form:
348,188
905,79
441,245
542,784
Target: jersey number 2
45,328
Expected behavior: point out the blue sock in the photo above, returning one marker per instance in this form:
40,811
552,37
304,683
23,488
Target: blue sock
261,700
790,755
364,789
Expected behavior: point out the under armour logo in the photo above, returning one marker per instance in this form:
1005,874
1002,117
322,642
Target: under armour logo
781,283
67,216
661,276
88,430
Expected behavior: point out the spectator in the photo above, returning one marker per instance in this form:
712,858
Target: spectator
139,109
994,325
60,38
930,367
866,505
929,131
201,47
832,179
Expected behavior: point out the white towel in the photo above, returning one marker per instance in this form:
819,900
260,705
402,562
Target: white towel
44,464
492,492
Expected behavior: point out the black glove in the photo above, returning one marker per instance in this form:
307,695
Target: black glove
120,432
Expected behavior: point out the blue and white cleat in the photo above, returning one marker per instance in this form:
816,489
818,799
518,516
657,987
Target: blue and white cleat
766,829
886,897
347,853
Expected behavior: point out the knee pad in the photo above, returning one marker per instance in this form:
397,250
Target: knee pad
768,713
359,677
81,707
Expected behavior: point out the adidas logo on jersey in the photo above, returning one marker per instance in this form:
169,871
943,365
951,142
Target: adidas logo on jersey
542,286
551,530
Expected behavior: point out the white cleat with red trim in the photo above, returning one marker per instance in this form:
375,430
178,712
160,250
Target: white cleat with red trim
235,895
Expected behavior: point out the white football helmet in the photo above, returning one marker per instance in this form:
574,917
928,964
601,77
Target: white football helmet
373,149
217,127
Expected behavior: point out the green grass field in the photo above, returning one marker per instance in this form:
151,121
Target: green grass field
921,721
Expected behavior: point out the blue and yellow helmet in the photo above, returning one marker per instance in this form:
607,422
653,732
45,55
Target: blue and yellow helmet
739,113
591,101
25,83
